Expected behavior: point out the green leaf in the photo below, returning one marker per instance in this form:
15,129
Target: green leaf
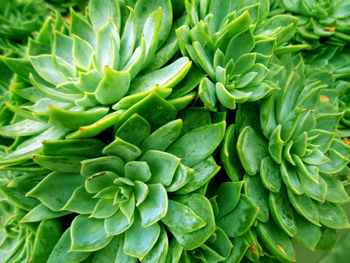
40,213
101,11
182,218
82,54
140,240
282,213
240,219
124,150
200,205
335,190
308,234
73,147
73,120
305,207
23,128
136,170
104,208
276,241
270,174
276,145
62,164
251,149
228,155
183,175
48,233
155,205
162,165
118,223
134,130
88,234
291,178
81,201
99,181
203,172
160,250
258,195
239,45
113,86
207,93
61,253
80,27
105,163
228,195
332,215
56,189
45,67
198,144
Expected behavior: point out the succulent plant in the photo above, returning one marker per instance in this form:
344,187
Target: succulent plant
112,142
20,241
294,150
18,20
138,184
320,22
233,43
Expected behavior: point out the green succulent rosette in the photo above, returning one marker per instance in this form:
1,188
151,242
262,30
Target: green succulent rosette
291,153
320,22
73,89
233,42
18,21
148,181
21,241
332,66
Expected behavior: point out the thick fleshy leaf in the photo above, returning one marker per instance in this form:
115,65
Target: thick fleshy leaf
167,77
290,178
80,202
168,134
203,172
282,213
252,149
104,208
240,219
160,250
123,149
183,175
136,170
308,234
332,215
162,165
56,189
228,195
48,233
134,130
101,11
113,86
99,181
77,147
140,240
62,164
270,174
198,144
41,212
276,241
258,194
105,163
88,234
23,128
228,155
335,190
118,223
304,206
61,253
202,208
155,206
182,218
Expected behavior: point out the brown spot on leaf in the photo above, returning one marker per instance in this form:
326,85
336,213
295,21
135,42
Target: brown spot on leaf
254,249
346,140
282,249
329,28
324,98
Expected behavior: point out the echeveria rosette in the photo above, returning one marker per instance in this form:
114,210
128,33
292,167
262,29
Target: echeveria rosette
321,22
137,186
19,20
295,153
332,66
72,89
233,44
23,241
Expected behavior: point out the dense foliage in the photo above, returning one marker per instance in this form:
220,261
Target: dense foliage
173,130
